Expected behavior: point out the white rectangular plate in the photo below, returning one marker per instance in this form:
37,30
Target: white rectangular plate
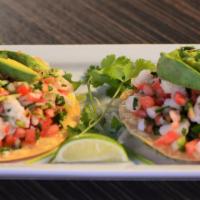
75,59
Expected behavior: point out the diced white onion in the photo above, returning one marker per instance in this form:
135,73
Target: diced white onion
171,88
151,112
141,124
174,146
164,129
171,103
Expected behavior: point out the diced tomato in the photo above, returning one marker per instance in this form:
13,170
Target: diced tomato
148,90
30,137
190,147
3,92
140,87
43,133
42,100
180,99
146,102
49,80
156,84
158,120
1,143
1,108
167,139
194,95
34,97
149,128
160,93
10,140
64,90
140,113
197,92
7,129
46,123
158,89
159,101
50,112
20,132
23,89
52,130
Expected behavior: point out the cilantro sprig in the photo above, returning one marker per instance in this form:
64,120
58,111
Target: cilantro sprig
115,73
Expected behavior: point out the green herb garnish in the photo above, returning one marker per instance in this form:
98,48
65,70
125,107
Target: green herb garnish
4,149
50,88
75,84
59,117
60,100
135,103
161,109
38,85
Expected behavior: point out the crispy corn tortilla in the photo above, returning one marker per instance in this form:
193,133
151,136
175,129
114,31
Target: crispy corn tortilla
131,124
46,144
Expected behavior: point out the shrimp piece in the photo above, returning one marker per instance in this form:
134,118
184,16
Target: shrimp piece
175,116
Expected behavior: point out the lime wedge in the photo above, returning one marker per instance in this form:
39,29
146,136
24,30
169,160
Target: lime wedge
91,148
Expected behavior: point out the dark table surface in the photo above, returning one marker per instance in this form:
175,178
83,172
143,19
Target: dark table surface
99,21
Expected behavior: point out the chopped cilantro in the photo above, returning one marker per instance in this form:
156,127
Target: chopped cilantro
75,84
196,128
50,88
3,83
161,109
4,149
135,103
38,85
184,131
58,118
37,134
116,124
60,100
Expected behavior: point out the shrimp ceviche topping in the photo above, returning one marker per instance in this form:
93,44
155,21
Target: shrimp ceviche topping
37,104
31,111
166,104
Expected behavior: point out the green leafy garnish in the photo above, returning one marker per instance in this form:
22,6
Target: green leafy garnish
38,85
50,88
141,64
135,103
75,84
3,83
114,74
60,100
116,123
120,68
161,109
196,128
59,117
88,116
4,149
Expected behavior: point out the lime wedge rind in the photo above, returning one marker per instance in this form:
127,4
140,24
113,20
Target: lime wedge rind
91,148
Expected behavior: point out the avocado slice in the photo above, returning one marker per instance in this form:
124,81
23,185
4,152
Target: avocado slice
171,67
31,62
17,71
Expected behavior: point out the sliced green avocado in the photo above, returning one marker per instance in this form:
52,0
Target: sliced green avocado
29,61
17,71
172,68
